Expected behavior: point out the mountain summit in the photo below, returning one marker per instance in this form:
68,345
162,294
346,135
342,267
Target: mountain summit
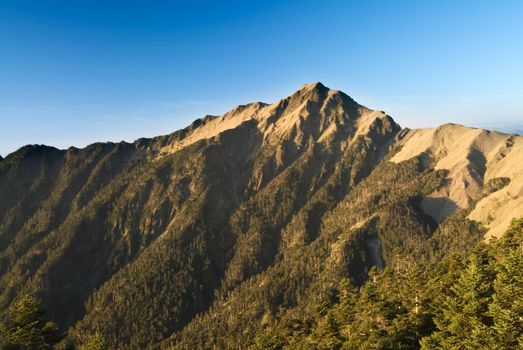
218,227
314,113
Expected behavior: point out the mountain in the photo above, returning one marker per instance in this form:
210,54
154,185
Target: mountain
473,158
202,238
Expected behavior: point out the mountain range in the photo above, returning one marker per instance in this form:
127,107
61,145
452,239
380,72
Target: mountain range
205,237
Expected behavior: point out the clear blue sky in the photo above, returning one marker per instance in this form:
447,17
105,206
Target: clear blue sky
76,72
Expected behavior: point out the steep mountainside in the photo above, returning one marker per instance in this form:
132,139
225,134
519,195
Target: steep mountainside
202,237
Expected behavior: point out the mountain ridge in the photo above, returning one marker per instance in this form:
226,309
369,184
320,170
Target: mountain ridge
439,205
170,234
236,112
473,156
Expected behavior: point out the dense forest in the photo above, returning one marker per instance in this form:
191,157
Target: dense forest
289,227
464,301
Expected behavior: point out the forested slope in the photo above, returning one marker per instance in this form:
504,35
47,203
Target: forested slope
230,230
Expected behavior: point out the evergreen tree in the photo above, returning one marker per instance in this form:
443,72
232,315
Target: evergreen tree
327,334
27,328
463,321
94,342
267,340
506,308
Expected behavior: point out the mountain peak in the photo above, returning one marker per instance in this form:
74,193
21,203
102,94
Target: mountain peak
314,112
314,86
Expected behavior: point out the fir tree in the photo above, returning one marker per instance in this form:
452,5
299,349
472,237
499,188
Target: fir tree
463,321
267,340
94,342
506,308
27,328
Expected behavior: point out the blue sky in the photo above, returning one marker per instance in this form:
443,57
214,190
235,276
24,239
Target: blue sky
77,72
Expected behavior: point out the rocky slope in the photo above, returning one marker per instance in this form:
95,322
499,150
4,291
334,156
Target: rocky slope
473,158
218,227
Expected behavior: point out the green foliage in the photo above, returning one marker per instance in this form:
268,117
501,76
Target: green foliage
94,342
483,308
463,302
463,321
27,328
267,340
506,308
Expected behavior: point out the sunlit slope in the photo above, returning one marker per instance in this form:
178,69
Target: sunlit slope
473,158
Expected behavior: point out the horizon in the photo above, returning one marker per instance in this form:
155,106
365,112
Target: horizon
72,75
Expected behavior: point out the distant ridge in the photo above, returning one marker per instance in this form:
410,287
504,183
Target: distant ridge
473,157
